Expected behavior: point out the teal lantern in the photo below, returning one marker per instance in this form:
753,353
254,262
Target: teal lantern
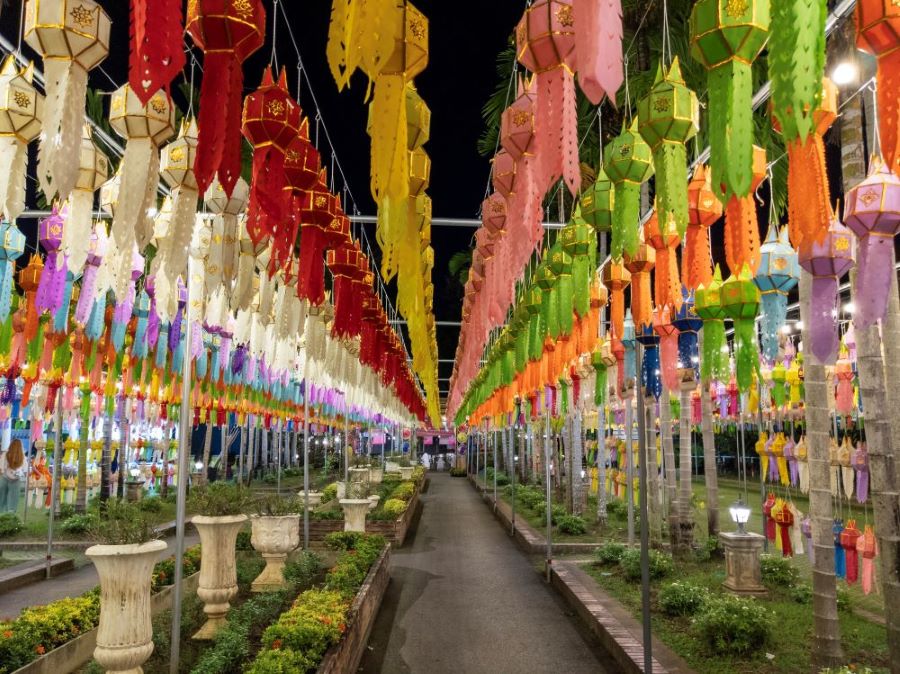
12,245
779,272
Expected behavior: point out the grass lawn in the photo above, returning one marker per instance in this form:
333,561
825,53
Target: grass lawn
865,643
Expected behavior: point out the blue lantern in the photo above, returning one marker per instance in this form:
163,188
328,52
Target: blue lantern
628,341
779,272
688,324
650,377
12,245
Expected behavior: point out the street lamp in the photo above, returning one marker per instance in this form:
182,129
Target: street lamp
740,514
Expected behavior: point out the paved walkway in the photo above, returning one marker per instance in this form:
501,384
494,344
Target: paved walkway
70,584
464,600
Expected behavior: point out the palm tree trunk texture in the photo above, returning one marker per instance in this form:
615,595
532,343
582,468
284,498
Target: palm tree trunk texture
105,458
709,462
826,649
83,446
668,448
654,507
207,446
890,328
686,539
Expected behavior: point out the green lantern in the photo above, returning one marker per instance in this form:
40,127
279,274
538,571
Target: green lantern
669,116
577,239
628,163
708,306
597,203
537,328
726,37
564,288
740,301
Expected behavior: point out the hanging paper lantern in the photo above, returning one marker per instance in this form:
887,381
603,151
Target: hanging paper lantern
827,260
597,203
704,209
878,33
640,264
688,324
323,226
872,212
53,276
809,199
628,162
668,117
778,274
667,285
598,47
21,113
616,278
93,170
228,32
545,45
89,279
224,252
708,305
178,160
726,38
665,329
270,122
651,382
740,302
346,270
741,225
29,280
157,51
73,38
12,245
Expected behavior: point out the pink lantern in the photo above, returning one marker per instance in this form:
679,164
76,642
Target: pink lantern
827,260
545,44
873,214
493,214
517,123
504,174
598,47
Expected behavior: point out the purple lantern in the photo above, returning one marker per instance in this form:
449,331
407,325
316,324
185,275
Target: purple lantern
53,276
89,279
873,213
827,261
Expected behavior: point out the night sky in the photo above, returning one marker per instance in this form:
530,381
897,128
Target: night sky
464,41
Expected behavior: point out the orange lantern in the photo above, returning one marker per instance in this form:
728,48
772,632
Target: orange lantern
703,210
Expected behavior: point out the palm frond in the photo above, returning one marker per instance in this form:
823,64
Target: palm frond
504,94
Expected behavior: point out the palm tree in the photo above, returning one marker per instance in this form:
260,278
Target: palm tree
458,267
710,475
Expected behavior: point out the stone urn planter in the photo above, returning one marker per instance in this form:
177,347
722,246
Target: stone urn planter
358,475
218,571
341,490
391,467
406,472
125,633
373,501
355,510
274,537
315,498
376,474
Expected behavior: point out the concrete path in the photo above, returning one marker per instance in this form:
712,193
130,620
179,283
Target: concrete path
464,600
69,584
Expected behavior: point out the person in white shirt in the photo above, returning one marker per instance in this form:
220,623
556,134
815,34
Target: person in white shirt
12,475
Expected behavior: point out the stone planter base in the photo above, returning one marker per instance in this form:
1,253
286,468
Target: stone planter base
274,538
355,510
373,501
406,472
218,572
315,498
743,576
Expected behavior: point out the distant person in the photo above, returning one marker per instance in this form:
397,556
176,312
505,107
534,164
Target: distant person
12,472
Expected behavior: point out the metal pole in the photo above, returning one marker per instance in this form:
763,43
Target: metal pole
762,478
547,487
494,446
241,448
513,481
184,436
57,469
629,464
346,447
645,523
280,446
306,467
601,464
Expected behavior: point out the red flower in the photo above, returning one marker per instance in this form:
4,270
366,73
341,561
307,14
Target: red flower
7,634
325,620
276,645
40,649
342,627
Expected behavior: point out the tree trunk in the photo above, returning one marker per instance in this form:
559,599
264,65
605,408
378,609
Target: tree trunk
710,473
83,446
105,458
207,447
668,448
578,499
686,539
654,507
826,647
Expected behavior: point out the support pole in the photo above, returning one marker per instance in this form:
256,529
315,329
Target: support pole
548,497
645,528
306,466
629,464
57,469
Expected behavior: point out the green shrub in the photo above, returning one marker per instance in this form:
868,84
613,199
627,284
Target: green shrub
291,472
123,524
311,626
556,512
302,570
680,599
150,505
273,505
278,661
164,571
330,514
78,524
394,507
529,496
418,474
617,507
9,525
66,510
610,553
404,491
243,540
572,525
219,499
660,564
502,479
330,492
707,550
802,594
734,626
843,599
458,472
343,540
778,571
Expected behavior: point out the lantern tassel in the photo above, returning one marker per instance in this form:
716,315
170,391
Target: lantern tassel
714,362
746,352
670,162
13,165
774,313
76,236
888,86
66,90
696,269
742,246
875,265
598,44
626,219
221,88
823,329
137,193
731,128
809,199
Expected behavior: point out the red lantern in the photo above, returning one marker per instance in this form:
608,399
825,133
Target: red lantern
271,120
228,31
344,263
157,52
323,225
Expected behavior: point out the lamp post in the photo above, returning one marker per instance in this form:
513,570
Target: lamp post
742,550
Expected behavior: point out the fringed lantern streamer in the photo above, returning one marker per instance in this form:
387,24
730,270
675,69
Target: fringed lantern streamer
778,274
665,329
740,302
601,373
29,279
270,121
157,52
809,198
878,33
21,115
362,33
598,47
708,305
546,46
53,277
669,116
228,33
96,251
726,38
628,341
741,225
827,261
667,285
688,324
872,212
93,171
12,246
616,278
628,162
73,38
323,226
650,365
704,209
640,264
224,253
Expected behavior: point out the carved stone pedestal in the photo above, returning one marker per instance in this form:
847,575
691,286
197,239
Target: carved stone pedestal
355,513
742,570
